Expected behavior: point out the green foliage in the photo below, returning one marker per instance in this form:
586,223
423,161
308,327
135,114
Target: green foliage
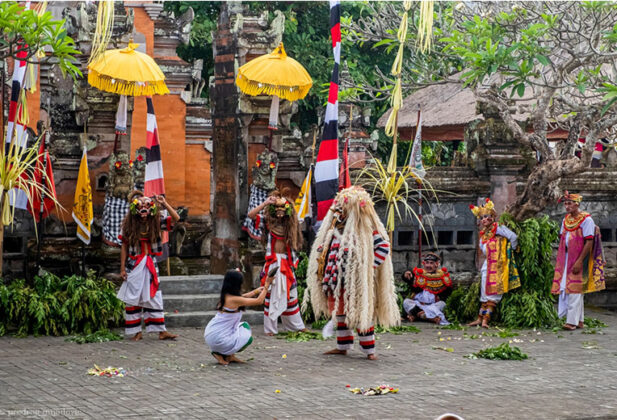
100,336
300,336
59,306
319,324
485,45
463,304
501,352
535,238
500,333
41,34
527,309
594,323
397,330
532,304
307,316
306,39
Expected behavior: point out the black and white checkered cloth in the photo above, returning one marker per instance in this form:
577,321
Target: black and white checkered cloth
113,213
258,196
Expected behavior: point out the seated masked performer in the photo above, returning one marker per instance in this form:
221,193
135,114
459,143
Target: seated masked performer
580,262
431,287
499,271
350,272
282,239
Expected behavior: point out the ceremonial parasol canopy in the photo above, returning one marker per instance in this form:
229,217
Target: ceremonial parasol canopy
127,72
274,74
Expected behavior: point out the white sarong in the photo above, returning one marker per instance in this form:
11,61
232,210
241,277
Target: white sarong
135,291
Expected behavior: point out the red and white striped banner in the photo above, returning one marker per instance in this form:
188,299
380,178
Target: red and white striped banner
327,164
154,182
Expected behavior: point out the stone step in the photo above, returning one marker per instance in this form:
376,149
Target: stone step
190,303
190,285
201,318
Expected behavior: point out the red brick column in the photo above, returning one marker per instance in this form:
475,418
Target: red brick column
226,147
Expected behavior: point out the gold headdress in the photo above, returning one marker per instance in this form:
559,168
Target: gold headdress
487,208
577,198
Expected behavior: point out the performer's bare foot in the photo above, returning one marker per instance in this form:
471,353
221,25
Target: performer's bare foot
137,337
371,357
220,359
234,359
569,327
166,335
475,323
304,330
337,351
485,323
270,334
580,325
411,318
436,320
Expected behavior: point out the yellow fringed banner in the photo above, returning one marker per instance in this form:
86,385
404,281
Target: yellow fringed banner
291,93
128,88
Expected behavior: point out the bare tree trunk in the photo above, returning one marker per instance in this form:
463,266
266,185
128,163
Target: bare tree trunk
540,191
542,187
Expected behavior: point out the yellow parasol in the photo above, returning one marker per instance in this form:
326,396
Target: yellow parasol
127,72
274,74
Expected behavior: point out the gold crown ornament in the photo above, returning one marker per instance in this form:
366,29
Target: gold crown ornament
487,208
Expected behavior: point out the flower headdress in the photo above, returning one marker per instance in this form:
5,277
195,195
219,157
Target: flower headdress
487,208
280,202
577,198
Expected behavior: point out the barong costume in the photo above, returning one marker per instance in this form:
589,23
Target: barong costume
141,291
226,334
571,287
499,270
430,293
350,276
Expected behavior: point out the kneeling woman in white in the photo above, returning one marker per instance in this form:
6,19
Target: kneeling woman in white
225,334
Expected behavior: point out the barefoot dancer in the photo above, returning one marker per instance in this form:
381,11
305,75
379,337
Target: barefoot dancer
350,272
580,263
497,243
225,334
282,239
431,287
141,244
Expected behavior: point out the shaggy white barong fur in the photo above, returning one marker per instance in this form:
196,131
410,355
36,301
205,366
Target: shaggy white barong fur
369,296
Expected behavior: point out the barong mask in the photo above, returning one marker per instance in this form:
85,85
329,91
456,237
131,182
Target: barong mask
280,209
352,200
143,206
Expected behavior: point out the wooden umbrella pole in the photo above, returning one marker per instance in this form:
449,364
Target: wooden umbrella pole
420,226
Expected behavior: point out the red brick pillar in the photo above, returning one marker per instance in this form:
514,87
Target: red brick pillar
226,147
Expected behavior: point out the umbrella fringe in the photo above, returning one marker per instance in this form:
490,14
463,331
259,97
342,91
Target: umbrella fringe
253,88
123,87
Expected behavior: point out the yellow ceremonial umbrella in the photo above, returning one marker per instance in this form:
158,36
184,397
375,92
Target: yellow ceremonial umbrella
274,74
127,72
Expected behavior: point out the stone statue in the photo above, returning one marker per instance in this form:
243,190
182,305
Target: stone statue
121,181
139,168
264,172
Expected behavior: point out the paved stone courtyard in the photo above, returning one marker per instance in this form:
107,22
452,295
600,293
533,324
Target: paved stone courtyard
46,377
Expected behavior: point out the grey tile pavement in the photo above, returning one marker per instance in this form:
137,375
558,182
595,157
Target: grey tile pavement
46,377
